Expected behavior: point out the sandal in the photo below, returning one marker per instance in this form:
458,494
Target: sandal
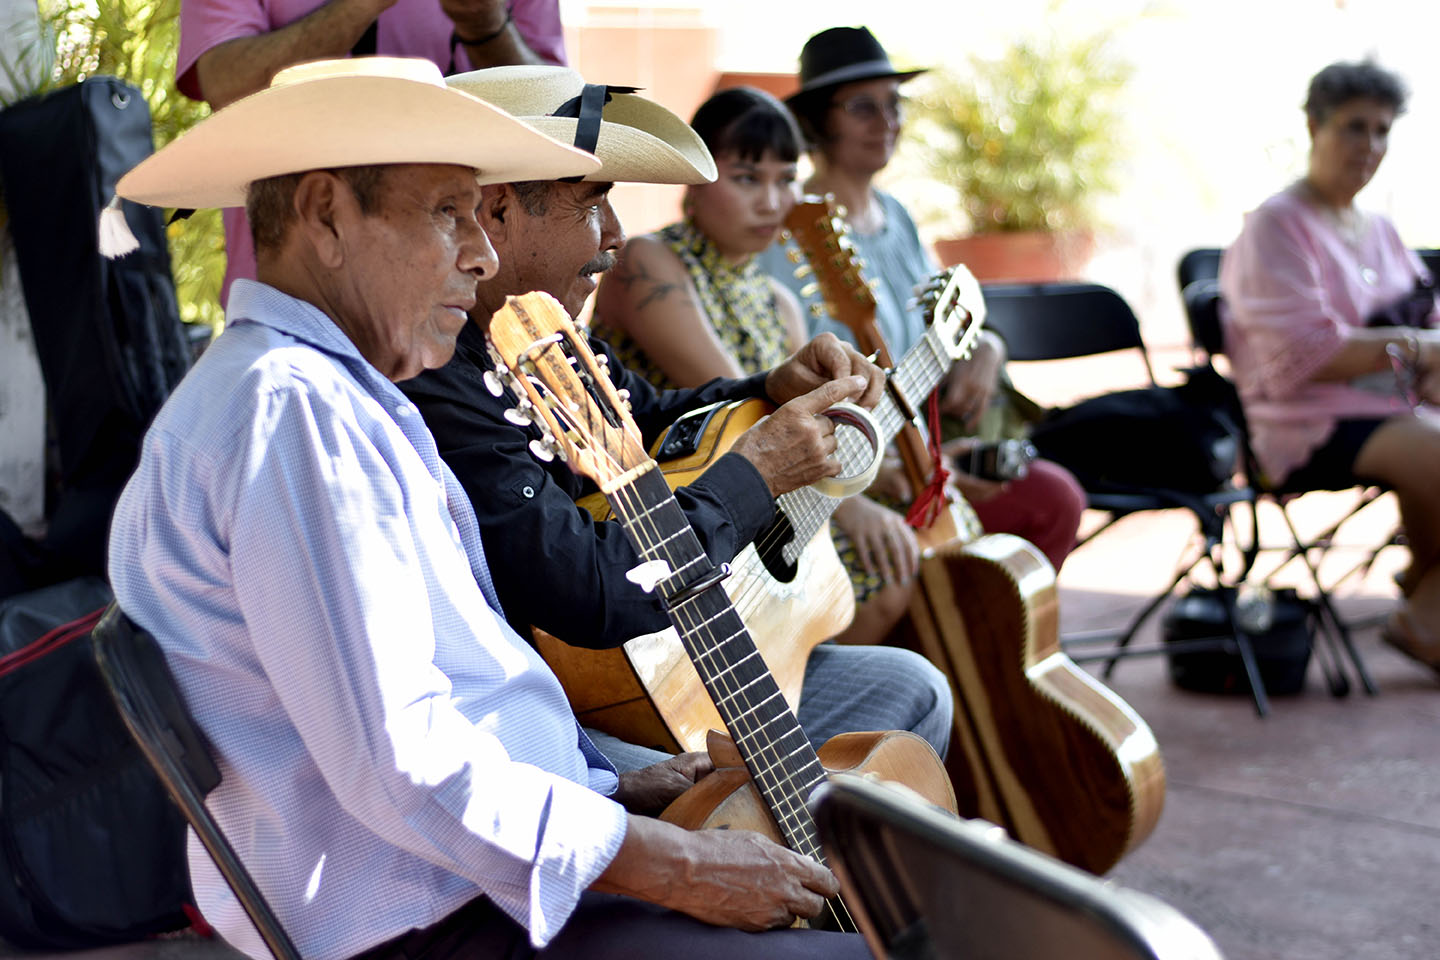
1405,635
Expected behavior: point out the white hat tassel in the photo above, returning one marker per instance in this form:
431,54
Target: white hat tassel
116,240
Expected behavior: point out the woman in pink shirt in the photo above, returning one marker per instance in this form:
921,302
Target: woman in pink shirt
1328,321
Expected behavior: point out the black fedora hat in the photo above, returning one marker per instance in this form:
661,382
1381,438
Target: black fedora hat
842,55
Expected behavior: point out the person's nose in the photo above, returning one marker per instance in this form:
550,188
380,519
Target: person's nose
612,234
772,196
476,254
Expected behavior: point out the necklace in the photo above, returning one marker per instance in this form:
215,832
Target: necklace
1350,224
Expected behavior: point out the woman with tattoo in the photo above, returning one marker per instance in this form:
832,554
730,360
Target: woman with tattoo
690,303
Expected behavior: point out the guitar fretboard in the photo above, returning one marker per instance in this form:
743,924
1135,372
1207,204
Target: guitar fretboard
917,374
780,758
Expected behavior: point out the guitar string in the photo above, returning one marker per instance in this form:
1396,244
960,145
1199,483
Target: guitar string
736,691
794,818
732,688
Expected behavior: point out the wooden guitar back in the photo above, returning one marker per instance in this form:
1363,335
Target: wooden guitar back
1069,767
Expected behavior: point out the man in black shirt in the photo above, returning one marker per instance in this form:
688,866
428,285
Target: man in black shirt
554,566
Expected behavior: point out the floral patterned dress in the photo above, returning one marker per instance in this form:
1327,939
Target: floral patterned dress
739,302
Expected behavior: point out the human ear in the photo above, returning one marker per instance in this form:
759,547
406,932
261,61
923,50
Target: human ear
319,217
497,203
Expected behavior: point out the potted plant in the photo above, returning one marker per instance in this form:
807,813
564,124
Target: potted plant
1025,143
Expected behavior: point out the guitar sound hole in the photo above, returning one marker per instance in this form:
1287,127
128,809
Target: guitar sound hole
771,544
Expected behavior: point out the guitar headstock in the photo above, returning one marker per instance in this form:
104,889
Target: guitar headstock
954,310
818,228
564,389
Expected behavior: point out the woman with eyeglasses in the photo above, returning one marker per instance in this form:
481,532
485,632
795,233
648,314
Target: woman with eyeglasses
851,111
690,302
1328,322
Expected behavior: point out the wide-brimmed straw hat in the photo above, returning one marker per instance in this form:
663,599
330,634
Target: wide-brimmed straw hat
636,140
344,113
843,55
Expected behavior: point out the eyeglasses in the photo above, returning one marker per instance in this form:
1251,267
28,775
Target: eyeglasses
866,108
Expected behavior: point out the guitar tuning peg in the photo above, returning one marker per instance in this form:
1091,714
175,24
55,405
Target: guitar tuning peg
493,384
623,394
522,414
785,237
809,290
602,361
542,450
841,212
817,310
803,271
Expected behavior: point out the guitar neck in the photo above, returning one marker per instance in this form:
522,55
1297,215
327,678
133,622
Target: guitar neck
919,372
781,761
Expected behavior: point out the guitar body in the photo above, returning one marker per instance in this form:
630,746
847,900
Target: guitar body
1041,747
728,800
647,691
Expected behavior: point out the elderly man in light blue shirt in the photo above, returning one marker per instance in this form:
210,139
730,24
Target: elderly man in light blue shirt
399,767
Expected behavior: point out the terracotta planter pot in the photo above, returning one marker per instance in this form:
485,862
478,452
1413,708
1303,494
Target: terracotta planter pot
1026,256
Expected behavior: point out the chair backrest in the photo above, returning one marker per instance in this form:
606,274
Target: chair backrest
1430,256
925,884
1053,321
144,691
1202,263
1202,313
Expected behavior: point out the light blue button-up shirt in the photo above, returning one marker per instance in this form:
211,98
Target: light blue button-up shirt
390,748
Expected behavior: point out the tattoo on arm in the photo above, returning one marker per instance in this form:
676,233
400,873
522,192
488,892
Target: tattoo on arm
654,290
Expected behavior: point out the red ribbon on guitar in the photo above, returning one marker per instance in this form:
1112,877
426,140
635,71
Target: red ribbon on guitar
929,502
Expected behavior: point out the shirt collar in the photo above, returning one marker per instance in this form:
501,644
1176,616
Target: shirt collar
254,302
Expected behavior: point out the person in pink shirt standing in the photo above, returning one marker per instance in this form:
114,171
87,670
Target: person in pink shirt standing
231,48
1329,327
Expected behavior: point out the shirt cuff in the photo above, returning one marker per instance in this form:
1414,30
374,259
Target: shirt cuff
569,858
733,484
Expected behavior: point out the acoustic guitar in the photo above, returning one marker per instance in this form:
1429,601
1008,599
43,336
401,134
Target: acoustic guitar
789,585
1039,746
768,770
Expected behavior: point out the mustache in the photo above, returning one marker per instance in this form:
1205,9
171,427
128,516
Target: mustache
604,261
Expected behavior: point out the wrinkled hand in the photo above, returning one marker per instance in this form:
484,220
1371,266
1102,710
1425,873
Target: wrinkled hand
792,447
731,878
824,358
653,788
1427,364
884,541
970,385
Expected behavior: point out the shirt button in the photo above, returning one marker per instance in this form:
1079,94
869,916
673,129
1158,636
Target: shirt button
404,410
528,491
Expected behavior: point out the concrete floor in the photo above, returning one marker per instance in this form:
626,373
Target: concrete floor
1314,833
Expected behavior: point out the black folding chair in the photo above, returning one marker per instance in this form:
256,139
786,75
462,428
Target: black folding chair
1202,263
925,885
144,691
1202,312
1053,321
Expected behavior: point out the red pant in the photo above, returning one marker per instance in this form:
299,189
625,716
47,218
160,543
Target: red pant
1044,507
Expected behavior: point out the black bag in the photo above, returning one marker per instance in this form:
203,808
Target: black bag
1181,438
1282,648
107,332
92,850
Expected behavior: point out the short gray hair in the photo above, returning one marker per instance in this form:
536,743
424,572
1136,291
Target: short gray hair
270,203
1342,82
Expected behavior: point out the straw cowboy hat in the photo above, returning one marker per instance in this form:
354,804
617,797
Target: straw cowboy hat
636,140
344,113
843,55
